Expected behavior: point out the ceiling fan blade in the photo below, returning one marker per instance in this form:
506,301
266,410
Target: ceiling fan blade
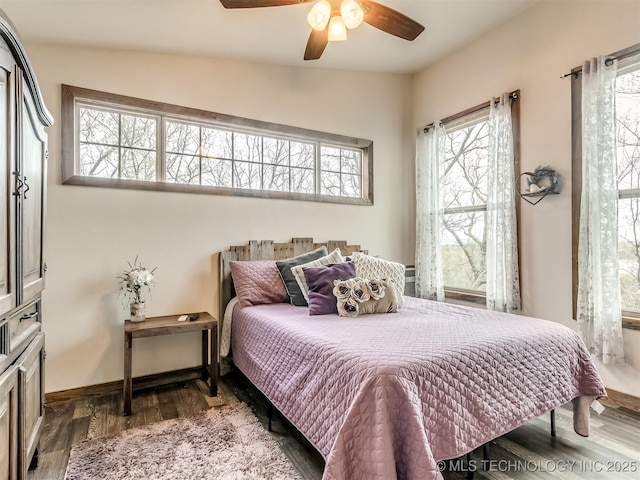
391,21
259,3
316,44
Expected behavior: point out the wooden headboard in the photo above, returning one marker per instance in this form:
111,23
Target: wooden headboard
268,250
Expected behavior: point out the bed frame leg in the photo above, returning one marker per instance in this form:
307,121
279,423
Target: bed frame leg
553,423
269,415
485,452
469,471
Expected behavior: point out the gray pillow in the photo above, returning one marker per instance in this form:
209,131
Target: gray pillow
284,267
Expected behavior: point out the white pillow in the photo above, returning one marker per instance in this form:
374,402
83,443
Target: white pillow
372,267
298,273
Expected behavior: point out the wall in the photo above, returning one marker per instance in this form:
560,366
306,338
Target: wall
530,53
93,232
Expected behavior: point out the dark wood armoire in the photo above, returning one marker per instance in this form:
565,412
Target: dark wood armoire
23,180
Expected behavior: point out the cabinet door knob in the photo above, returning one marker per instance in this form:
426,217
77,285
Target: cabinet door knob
28,188
19,184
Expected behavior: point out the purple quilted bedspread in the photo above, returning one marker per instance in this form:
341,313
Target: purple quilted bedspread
386,396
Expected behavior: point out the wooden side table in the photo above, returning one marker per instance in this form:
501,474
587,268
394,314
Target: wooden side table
168,325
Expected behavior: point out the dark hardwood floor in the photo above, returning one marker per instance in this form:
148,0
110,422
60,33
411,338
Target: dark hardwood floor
529,452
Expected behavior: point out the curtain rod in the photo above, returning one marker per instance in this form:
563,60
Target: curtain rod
513,95
608,61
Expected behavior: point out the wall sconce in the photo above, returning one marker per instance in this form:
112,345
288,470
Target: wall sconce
541,182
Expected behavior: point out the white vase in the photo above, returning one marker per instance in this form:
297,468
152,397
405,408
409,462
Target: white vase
138,311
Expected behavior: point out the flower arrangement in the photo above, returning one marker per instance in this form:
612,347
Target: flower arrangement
132,281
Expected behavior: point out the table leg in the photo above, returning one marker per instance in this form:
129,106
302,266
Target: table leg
205,354
213,366
127,373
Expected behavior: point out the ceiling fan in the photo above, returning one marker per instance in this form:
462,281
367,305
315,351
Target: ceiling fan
329,20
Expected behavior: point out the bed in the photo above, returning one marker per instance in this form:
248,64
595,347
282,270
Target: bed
387,396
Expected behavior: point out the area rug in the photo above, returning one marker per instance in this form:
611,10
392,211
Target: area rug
221,443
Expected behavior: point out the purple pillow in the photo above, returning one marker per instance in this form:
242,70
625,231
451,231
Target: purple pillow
258,282
320,282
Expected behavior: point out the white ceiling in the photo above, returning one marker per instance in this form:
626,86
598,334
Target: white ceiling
276,35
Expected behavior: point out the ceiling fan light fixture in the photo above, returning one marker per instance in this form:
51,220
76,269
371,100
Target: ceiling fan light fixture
352,13
337,29
319,15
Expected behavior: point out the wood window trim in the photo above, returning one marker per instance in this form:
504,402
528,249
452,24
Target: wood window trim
629,319
630,322
471,296
477,296
71,94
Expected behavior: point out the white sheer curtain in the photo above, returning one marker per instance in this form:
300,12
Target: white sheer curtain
429,213
503,284
598,309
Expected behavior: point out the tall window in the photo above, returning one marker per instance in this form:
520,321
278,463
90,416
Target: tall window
464,197
628,159
115,141
627,116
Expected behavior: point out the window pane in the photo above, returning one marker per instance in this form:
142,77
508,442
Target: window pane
138,132
183,169
183,138
97,126
246,147
628,129
246,175
465,166
216,172
351,162
276,151
302,180
464,250
330,159
276,178
138,164
629,252
216,143
99,160
330,183
302,154
351,186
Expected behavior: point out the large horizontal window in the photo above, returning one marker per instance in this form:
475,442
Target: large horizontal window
116,141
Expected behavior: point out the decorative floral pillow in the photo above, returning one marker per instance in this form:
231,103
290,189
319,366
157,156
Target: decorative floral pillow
320,281
359,296
372,267
258,282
